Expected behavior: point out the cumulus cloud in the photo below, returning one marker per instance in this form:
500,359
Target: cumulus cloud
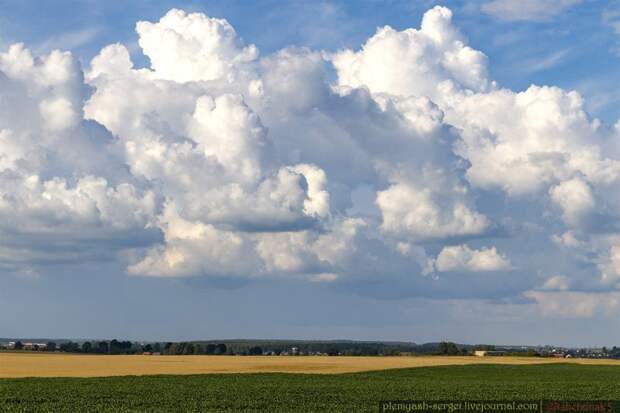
188,47
556,282
523,142
572,304
52,191
575,199
415,214
535,10
609,264
463,258
415,62
216,161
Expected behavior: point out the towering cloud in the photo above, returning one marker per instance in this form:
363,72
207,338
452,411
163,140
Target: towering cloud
214,161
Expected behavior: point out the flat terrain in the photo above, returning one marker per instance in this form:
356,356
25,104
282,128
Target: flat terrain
29,364
278,392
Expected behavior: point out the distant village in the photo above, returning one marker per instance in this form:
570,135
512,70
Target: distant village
303,348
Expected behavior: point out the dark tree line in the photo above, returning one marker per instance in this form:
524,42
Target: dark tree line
450,349
128,347
194,348
258,347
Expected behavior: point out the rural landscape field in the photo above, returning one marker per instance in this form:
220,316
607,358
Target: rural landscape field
14,365
310,206
294,392
70,383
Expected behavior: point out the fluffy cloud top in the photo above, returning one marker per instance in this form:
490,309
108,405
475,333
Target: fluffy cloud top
415,62
189,47
214,161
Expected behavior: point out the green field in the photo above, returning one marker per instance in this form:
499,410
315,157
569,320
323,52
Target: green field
271,392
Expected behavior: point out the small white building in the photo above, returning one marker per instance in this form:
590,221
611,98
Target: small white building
484,353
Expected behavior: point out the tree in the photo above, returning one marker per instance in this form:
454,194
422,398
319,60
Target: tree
18,345
87,347
255,351
51,346
70,347
103,347
220,348
332,351
115,347
532,353
188,349
126,347
446,347
210,349
172,349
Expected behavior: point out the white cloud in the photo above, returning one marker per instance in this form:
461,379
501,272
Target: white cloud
575,199
194,248
523,142
463,258
540,64
70,40
63,188
226,129
324,277
415,214
190,47
610,265
415,62
556,283
58,114
567,239
611,17
215,162
317,203
535,10
572,304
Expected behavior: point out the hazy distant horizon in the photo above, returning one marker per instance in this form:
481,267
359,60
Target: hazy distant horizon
386,171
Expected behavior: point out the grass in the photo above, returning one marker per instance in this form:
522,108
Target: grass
279,392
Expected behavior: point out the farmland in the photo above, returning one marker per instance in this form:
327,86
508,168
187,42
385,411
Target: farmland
31,364
281,392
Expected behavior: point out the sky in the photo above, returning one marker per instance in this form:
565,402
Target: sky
370,170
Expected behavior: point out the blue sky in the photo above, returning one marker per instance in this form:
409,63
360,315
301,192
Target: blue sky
518,240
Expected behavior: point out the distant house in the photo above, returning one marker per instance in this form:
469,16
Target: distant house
27,346
35,346
484,353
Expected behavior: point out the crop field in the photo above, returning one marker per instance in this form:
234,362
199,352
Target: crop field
30,364
285,392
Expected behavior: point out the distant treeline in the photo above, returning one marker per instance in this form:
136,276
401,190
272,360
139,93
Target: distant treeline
123,347
248,347
299,348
